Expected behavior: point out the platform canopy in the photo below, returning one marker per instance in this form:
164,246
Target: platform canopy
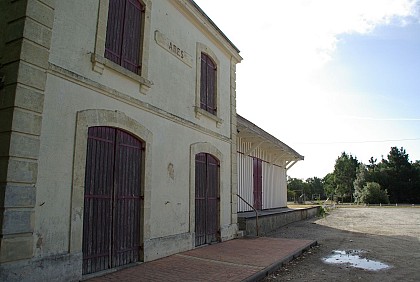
280,153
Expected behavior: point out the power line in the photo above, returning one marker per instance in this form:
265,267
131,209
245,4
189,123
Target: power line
380,119
359,142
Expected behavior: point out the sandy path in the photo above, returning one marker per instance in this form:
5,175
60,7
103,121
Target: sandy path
386,235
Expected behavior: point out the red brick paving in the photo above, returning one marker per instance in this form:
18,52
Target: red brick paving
233,260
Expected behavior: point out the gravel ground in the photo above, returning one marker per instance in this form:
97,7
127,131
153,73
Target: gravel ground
388,235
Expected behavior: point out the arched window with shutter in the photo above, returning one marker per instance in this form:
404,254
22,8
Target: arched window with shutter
208,84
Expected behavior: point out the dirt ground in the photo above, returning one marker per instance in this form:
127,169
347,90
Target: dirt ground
386,235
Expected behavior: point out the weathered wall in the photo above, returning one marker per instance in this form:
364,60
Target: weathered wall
73,87
174,82
24,49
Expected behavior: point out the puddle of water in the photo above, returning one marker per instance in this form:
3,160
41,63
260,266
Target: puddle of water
353,258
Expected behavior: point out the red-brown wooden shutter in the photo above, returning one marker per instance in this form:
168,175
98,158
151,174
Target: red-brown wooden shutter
200,199
257,191
99,184
212,199
211,89
126,239
131,38
123,35
114,30
203,82
208,84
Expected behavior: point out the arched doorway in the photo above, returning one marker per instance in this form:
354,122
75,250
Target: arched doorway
206,199
112,199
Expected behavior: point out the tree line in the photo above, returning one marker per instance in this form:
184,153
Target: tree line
392,180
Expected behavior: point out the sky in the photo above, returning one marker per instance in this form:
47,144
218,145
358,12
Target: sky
328,76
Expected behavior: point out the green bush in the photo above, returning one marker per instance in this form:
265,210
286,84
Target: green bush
373,194
322,211
291,195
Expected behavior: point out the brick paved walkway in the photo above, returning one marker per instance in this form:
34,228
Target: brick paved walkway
246,259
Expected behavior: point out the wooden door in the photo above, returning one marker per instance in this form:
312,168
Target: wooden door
206,199
257,181
111,220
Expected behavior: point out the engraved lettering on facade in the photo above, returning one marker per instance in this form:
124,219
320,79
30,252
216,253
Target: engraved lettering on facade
172,48
176,50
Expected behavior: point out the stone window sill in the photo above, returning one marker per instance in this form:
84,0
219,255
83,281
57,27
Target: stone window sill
200,112
99,63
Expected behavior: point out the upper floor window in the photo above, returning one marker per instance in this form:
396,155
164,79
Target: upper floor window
124,33
208,100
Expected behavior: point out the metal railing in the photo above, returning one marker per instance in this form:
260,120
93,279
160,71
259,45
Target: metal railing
256,214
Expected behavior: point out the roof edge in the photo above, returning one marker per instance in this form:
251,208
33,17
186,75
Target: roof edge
257,130
213,24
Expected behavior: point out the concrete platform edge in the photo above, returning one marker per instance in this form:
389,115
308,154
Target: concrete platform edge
276,265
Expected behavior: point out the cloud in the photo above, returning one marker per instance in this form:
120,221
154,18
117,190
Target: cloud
303,32
326,20
300,36
285,86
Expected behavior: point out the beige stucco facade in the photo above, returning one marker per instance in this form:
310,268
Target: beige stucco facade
57,84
